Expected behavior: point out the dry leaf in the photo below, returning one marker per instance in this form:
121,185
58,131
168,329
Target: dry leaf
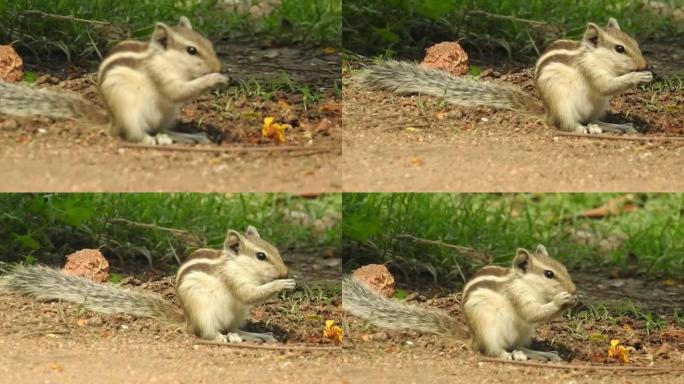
622,204
56,367
663,349
188,112
283,104
673,333
335,108
618,352
332,331
274,130
417,161
323,126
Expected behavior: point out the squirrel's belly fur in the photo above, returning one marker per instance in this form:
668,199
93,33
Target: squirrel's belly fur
209,307
136,104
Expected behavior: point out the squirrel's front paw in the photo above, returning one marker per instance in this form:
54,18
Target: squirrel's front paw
565,299
286,284
216,79
643,77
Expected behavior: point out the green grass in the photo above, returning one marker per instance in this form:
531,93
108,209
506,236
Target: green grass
46,227
266,89
652,321
648,241
405,28
659,96
104,22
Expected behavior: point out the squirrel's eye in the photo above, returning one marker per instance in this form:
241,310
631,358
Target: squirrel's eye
619,49
261,256
549,274
191,50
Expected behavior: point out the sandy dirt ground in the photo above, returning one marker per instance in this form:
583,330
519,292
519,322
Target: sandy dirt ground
416,143
45,155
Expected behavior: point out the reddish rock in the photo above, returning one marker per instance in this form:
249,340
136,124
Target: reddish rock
376,277
11,65
447,56
88,263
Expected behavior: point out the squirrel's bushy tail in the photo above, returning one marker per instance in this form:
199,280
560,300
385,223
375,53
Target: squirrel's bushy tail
411,78
361,301
45,283
19,100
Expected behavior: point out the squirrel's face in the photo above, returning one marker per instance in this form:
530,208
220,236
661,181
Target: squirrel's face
613,47
254,256
546,275
189,51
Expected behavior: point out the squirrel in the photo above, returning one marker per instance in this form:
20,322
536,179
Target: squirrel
216,289
575,80
143,85
501,306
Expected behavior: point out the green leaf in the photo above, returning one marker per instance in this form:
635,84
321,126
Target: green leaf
474,70
434,9
386,35
74,213
360,228
400,293
115,278
30,77
27,241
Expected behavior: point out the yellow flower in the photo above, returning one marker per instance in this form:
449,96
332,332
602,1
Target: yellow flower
618,352
273,130
333,331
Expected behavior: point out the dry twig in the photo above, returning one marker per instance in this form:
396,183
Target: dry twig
617,368
535,23
270,347
179,148
468,251
180,233
615,137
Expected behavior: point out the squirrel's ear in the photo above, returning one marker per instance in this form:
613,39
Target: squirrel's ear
251,231
160,36
184,22
591,35
612,23
521,259
541,251
232,243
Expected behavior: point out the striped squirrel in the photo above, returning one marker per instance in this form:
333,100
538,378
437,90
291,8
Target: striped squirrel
216,289
501,306
575,80
143,85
